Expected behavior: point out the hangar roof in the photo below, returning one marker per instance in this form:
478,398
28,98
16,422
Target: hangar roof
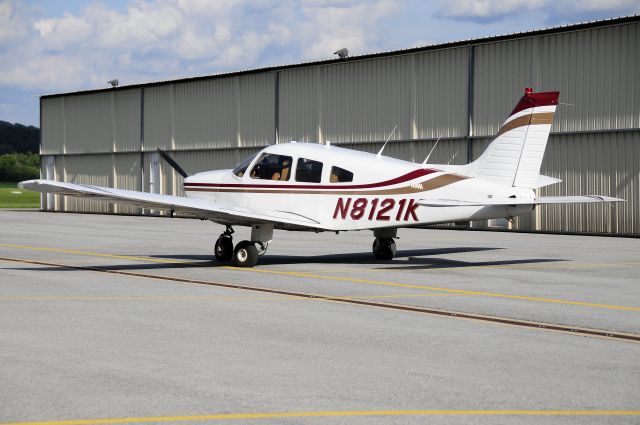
461,43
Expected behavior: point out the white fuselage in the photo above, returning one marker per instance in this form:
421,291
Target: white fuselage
384,192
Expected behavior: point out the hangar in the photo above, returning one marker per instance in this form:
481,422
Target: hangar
457,92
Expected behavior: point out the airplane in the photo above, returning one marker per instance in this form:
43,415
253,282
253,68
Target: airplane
319,187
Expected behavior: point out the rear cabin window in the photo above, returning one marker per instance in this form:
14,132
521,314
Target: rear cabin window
272,167
242,167
308,171
340,175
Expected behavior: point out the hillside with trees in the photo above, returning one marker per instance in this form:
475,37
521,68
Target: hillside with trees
19,159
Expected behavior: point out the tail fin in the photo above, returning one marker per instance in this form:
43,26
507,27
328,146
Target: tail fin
514,157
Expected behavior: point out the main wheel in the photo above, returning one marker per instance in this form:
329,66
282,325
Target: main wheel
224,248
384,248
245,254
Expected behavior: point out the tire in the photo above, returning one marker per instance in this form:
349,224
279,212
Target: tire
224,248
245,254
384,248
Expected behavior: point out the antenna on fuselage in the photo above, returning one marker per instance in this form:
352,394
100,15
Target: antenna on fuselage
379,155
431,151
327,144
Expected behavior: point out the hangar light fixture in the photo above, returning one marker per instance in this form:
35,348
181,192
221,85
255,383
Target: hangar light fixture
342,53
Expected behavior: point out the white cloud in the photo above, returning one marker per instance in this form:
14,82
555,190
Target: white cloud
487,9
13,26
162,39
493,10
329,28
61,33
599,5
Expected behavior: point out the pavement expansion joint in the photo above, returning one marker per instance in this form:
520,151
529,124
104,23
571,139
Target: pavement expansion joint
620,336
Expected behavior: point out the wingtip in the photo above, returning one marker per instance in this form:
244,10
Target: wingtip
24,184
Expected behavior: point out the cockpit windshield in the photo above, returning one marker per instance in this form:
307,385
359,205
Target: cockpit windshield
242,167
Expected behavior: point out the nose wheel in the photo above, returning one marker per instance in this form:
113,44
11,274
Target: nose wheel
224,245
384,248
245,253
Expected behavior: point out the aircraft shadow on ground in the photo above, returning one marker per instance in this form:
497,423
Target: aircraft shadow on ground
404,260
413,259
402,256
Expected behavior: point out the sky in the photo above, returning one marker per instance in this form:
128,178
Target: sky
59,46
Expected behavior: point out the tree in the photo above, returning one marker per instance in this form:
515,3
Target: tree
21,138
16,167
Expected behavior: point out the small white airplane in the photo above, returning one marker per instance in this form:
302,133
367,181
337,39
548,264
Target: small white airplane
314,187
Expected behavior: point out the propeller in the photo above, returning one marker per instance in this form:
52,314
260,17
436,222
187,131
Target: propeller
173,164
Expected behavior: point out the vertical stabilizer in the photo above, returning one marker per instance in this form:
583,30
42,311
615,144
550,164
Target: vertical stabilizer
514,157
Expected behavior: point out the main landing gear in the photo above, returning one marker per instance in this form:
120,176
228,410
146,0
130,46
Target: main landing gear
245,253
384,247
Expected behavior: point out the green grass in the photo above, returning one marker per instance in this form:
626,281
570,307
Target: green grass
12,197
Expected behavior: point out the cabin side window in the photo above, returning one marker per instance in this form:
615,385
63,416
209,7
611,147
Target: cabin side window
272,167
308,171
340,175
242,167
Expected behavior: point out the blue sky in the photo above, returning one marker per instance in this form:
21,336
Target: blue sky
59,46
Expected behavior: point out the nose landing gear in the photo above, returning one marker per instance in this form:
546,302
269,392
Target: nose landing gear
224,245
245,253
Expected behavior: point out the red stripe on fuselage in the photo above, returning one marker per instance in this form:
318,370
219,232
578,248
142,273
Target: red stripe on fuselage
409,176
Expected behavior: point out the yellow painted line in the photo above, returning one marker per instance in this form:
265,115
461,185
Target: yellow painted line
425,268
344,279
344,413
93,254
439,289
368,297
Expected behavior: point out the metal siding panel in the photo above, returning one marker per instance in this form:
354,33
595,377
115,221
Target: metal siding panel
441,93
95,170
603,164
256,110
206,114
43,175
501,72
89,126
126,175
59,175
595,72
126,111
363,101
52,126
298,114
450,151
158,117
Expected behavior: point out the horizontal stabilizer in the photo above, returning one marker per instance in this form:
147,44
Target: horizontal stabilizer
575,199
516,201
474,202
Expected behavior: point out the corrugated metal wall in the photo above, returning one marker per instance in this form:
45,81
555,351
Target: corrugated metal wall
460,94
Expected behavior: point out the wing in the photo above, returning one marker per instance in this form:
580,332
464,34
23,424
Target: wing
517,201
193,207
